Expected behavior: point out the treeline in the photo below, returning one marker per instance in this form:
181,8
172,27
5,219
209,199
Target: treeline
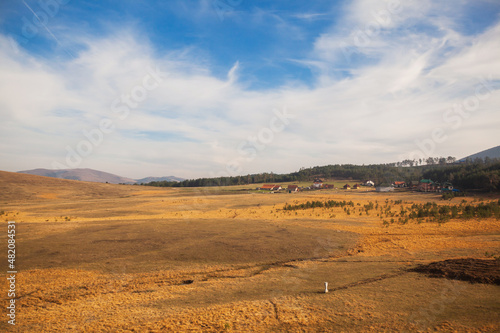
478,174
228,181
318,204
379,173
430,211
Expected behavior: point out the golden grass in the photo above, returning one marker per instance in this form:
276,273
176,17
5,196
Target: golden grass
101,257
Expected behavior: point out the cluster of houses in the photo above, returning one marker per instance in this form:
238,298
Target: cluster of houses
277,188
424,185
316,185
427,185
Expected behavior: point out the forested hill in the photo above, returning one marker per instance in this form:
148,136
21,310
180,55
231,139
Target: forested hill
480,174
477,174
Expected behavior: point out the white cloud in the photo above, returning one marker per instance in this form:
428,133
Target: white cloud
480,58
311,16
192,124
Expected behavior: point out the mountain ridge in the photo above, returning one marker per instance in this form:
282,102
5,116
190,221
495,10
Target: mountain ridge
490,153
159,179
91,175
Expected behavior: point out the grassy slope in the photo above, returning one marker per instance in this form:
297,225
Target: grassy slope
123,259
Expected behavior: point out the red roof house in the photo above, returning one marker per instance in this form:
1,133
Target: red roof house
270,187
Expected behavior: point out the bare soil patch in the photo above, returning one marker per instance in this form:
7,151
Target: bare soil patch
470,269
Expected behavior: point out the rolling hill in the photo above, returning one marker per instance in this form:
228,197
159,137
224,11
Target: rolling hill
88,175
159,179
20,187
91,175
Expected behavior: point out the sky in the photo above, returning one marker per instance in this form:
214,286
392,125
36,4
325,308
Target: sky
208,88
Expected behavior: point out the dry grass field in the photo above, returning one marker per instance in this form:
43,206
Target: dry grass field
101,257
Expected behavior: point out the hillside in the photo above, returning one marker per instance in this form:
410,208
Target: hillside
88,175
91,175
490,153
98,257
159,179
20,187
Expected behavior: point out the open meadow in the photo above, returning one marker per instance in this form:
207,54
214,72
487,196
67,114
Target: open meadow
103,257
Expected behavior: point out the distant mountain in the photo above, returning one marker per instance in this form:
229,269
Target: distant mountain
491,153
159,179
88,175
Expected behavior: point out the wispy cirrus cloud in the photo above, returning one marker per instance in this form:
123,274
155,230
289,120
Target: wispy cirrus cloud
370,108
311,16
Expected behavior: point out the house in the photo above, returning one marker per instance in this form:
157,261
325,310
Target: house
426,185
399,184
356,186
292,188
369,183
384,188
318,183
347,187
271,187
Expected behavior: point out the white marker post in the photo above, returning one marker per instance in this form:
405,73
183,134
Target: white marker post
326,287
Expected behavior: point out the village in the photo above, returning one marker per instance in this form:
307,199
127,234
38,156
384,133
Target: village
424,185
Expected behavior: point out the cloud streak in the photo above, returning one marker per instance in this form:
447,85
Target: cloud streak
372,108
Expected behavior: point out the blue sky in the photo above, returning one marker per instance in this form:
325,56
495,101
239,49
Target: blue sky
198,88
